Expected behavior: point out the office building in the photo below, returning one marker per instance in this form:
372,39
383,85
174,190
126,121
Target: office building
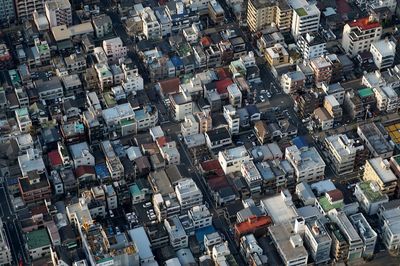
342,153
378,171
307,163
306,17
359,34
58,12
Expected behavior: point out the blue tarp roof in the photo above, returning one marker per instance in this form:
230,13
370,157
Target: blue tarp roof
102,171
300,142
200,233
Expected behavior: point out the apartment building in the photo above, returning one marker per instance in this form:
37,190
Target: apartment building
375,141
7,10
216,12
58,12
356,245
104,75
367,234
232,118
189,126
177,235
114,49
307,163
81,155
276,55
252,177
205,121
151,26
387,99
322,70
181,105
378,170
23,120
311,45
25,8
262,13
235,95
289,244
188,194
318,241
200,216
342,152
332,106
306,17
390,228
293,82
119,120
113,162
369,197
231,160
383,53
359,34
102,25
340,247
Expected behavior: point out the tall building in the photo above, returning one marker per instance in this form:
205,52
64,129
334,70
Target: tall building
58,12
305,18
7,11
25,8
342,153
359,34
311,45
262,13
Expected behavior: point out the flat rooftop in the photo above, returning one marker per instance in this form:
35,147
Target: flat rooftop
279,210
382,169
373,195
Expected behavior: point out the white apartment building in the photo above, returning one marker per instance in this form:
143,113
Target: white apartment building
387,99
307,163
252,176
58,12
5,251
177,235
188,194
181,105
356,245
81,155
133,83
375,4
189,126
305,17
120,120
318,241
342,153
311,45
235,95
113,162
25,8
367,234
359,34
151,26
200,216
114,49
369,197
390,228
378,170
292,82
383,52
232,118
111,197
231,159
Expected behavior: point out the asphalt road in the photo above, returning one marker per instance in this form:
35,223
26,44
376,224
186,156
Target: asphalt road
11,227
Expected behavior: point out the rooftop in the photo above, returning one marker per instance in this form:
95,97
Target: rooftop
38,238
365,23
371,193
382,169
235,153
280,207
252,223
327,206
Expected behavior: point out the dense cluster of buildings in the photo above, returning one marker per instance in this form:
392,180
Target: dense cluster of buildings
199,132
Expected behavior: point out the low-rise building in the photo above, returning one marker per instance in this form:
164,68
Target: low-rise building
322,70
390,228
188,194
311,45
180,105
200,216
375,141
293,82
276,55
38,243
218,137
177,235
